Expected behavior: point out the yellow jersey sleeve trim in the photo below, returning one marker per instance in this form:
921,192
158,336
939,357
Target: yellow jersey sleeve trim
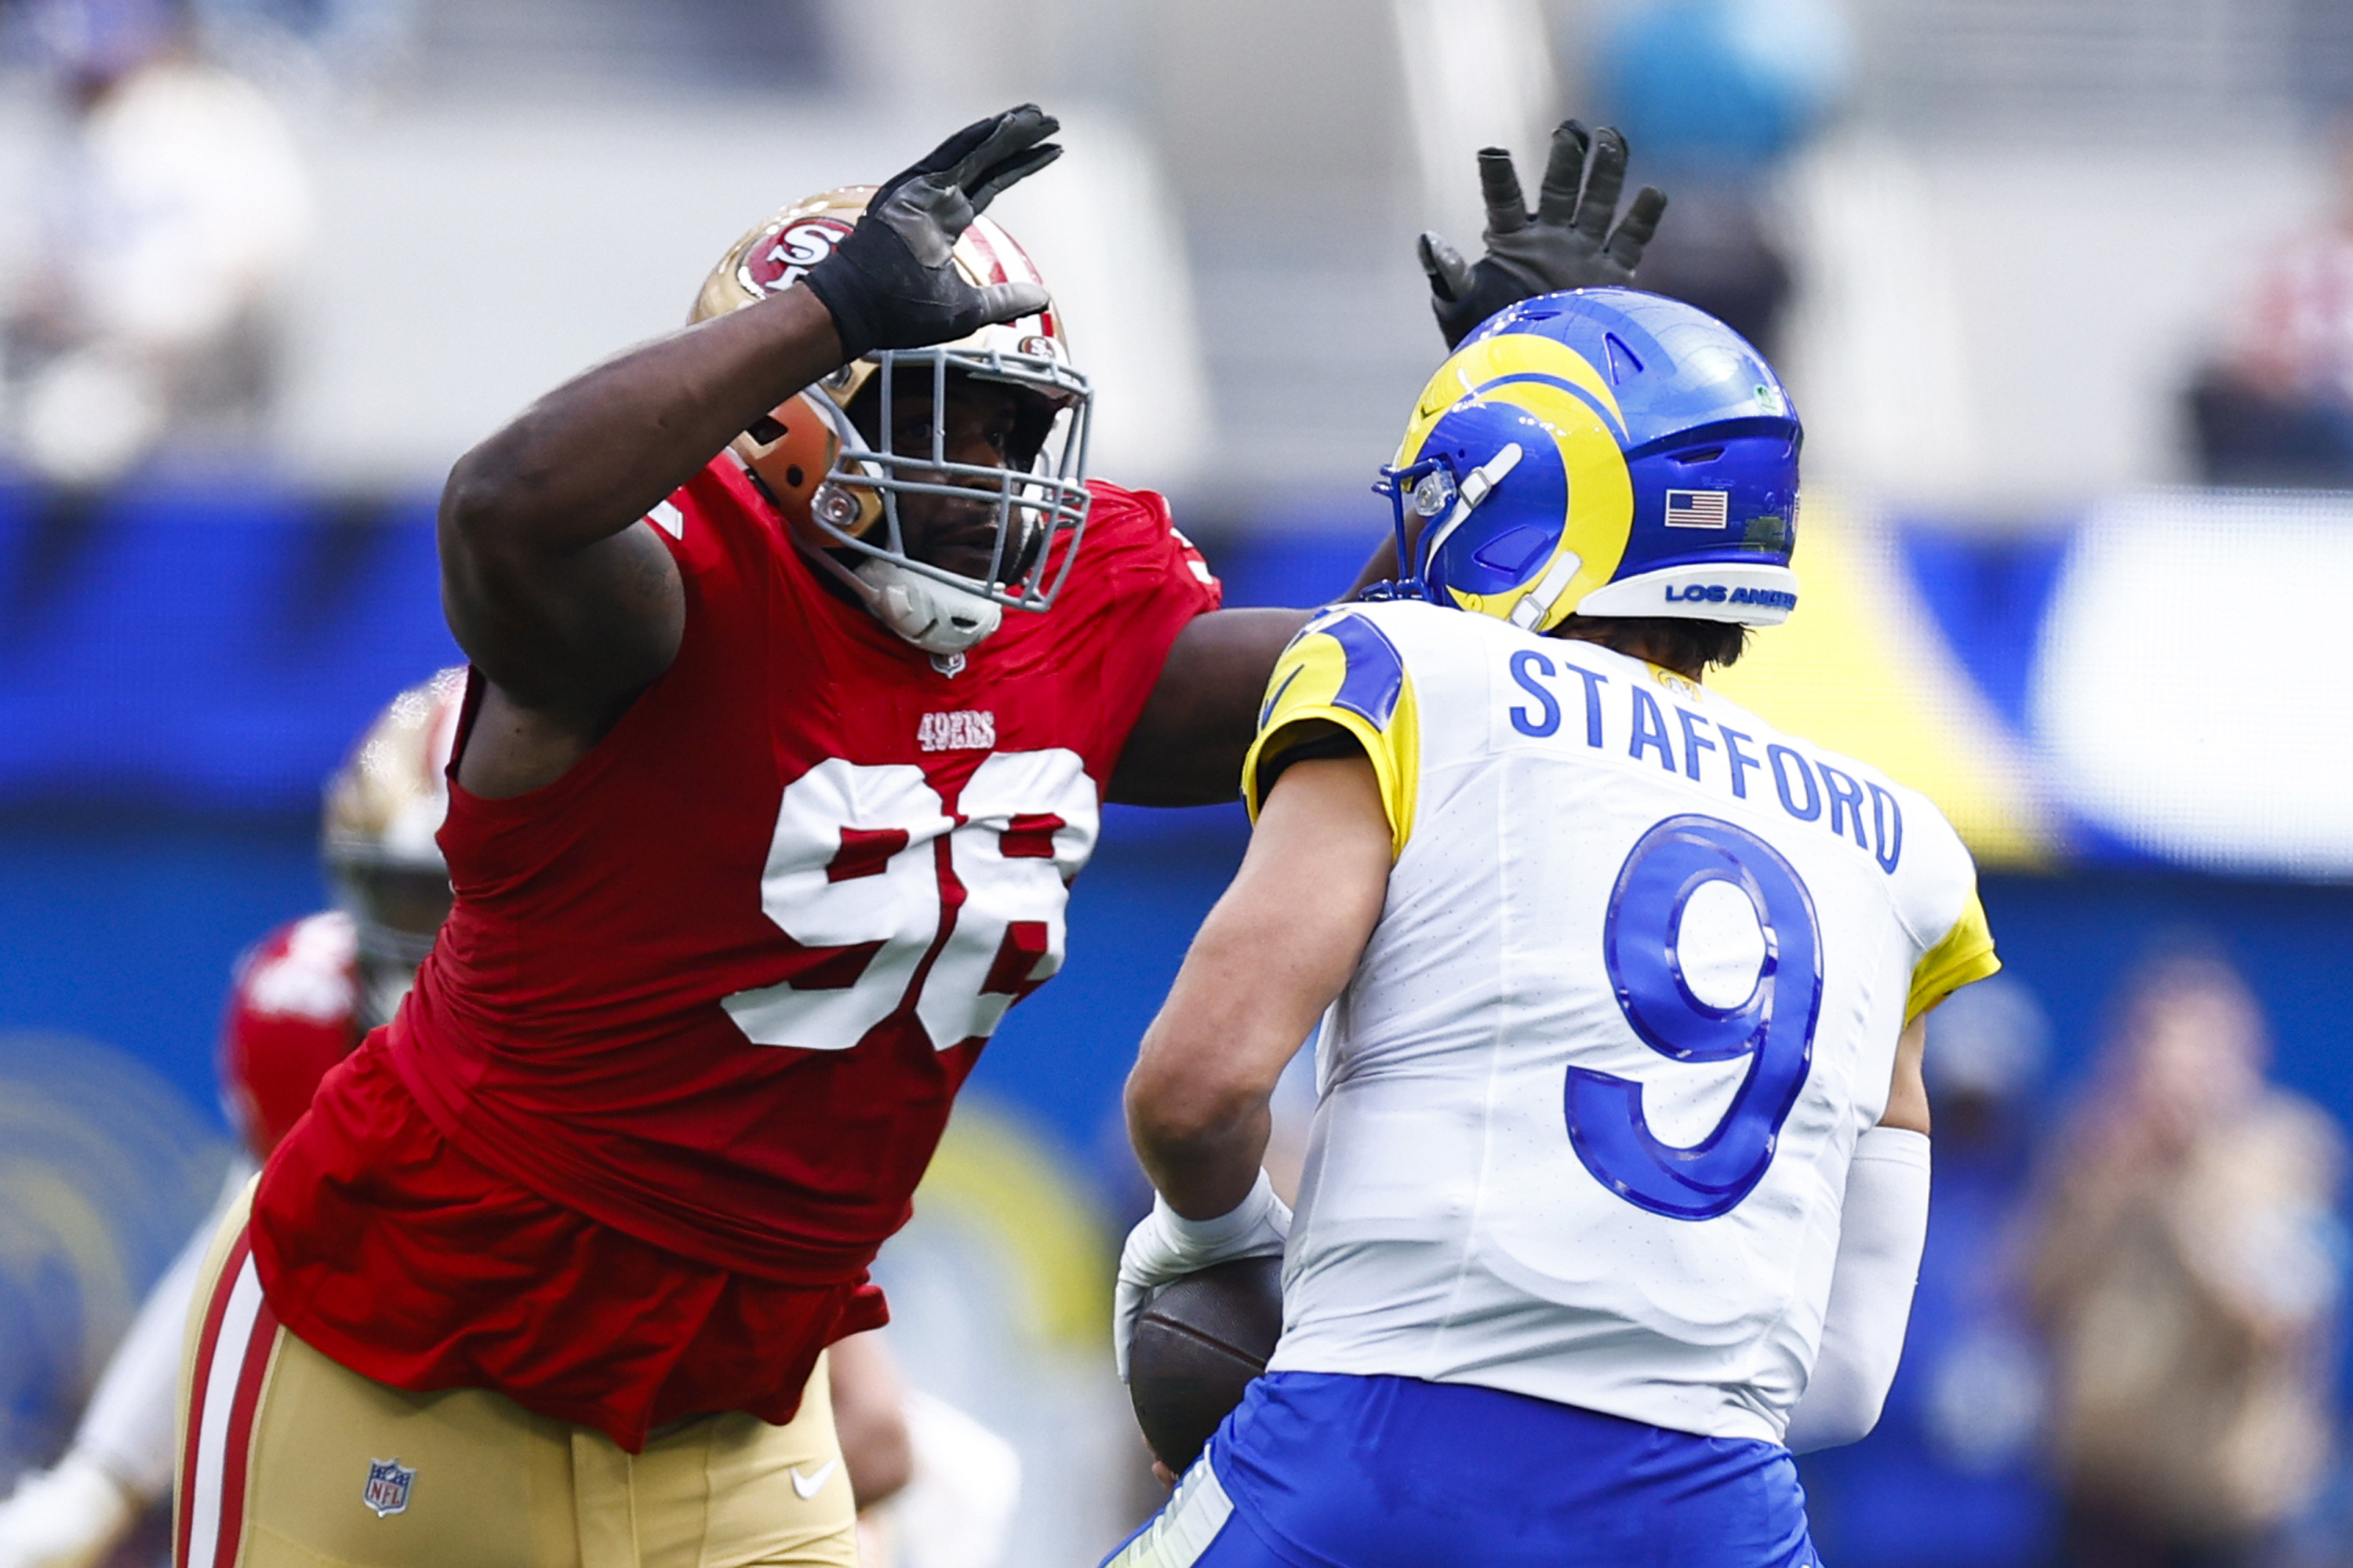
1962,957
1394,775
1354,680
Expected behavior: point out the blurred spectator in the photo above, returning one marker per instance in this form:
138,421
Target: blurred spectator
1949,1476
1713,94
2276,409
2186,1279
175,211
311,43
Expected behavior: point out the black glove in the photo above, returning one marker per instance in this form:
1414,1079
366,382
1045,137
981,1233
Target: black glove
1567,243
892,284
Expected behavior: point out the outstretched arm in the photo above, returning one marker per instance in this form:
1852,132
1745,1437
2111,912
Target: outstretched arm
1187,748
549,587
561,600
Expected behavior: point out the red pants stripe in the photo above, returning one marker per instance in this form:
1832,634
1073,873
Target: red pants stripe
232,1357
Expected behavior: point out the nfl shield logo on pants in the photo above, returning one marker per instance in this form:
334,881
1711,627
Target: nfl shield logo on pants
388,1487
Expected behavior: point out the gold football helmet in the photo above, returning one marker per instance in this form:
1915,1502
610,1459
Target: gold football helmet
839,489
383,806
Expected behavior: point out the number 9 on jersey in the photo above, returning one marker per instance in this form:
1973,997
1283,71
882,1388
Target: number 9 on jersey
1773,1026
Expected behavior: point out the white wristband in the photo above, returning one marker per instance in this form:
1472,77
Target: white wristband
1208,1235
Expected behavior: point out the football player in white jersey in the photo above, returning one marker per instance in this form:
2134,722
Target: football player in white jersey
1618,1175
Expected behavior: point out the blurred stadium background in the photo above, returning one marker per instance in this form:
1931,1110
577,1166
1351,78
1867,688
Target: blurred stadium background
2064,288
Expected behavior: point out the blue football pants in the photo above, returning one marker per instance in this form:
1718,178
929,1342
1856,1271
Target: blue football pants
1318,1470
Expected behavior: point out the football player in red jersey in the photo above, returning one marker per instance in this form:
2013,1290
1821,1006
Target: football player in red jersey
763,813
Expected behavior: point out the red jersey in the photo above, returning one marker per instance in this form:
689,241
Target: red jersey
712,993
293,1013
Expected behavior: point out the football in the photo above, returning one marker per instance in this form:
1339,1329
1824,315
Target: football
1197,1347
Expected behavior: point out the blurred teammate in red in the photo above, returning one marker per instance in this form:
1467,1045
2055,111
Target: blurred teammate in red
301,999
293,1013
789,717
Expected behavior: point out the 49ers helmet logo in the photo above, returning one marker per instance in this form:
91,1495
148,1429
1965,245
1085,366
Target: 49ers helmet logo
776,261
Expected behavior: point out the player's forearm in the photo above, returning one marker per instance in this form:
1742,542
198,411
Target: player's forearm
1196,1101
1272,954
1269,959
595,455
1381,567
1202,1149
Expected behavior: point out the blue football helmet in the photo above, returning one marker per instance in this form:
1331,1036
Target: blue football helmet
1602,451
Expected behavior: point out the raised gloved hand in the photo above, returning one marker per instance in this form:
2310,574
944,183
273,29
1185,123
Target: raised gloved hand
891,284
1567,243
1165,1247
69,1516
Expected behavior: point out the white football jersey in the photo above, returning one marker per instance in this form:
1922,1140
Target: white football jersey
1586,1108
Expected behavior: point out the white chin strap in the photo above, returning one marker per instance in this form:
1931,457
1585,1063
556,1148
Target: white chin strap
934,616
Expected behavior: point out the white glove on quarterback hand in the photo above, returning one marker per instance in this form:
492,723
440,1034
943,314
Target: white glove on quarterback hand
1165,1247
66,1518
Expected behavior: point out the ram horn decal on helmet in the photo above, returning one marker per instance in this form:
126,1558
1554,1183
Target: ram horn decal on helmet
1602,452
839,489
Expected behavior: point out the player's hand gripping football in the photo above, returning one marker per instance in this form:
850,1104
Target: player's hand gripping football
1567,243
1165,1247
892,284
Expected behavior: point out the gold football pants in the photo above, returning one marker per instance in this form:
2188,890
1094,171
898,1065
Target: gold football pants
290,1460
